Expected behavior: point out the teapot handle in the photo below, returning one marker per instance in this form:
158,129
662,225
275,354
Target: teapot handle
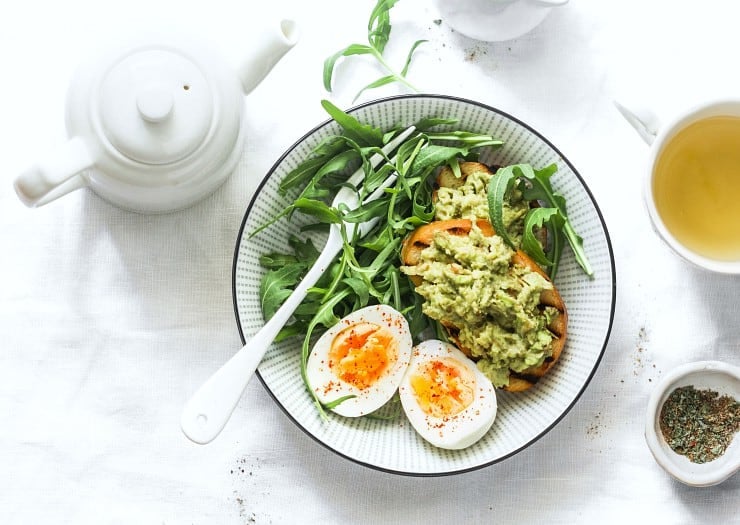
58,174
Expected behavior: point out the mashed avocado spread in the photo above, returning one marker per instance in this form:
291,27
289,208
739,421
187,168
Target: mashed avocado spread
470,201
468,282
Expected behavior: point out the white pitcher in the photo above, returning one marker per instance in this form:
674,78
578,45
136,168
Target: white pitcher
154,125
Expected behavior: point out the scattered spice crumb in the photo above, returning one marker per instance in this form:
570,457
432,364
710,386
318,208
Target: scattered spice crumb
245,489
594,429
639,351
471,54
640,356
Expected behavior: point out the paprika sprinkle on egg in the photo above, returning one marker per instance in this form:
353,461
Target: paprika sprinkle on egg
699,423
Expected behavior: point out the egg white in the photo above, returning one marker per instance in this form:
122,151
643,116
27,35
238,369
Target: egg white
328,387
456,431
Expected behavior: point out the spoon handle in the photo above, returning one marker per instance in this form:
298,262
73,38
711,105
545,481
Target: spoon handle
206,413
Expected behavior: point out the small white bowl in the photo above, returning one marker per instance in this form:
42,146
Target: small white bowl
715,375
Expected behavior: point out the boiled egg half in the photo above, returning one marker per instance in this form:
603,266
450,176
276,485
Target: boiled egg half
365,356
448,401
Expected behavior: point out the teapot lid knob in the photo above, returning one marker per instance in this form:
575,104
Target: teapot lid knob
155,103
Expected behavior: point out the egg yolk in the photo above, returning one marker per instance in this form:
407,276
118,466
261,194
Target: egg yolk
360,353
443,387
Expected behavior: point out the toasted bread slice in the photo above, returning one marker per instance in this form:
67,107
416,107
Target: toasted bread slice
446,177
422,237
558,326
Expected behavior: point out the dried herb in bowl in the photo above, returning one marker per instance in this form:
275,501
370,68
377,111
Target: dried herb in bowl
699,423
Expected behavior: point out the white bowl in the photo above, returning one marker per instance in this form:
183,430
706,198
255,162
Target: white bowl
522,418
715,375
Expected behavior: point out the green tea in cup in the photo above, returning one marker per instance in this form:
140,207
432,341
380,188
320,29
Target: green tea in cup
696,186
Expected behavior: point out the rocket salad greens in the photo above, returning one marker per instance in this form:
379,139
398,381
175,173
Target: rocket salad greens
378,33
535,186
367,269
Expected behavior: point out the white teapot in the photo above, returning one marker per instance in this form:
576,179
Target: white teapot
495,20
154,125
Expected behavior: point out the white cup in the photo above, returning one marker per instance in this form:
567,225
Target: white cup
659,136
495,20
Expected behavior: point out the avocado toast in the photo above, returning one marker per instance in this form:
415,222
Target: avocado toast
496,304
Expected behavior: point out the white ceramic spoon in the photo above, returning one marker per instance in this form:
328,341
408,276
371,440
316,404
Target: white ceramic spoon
207,412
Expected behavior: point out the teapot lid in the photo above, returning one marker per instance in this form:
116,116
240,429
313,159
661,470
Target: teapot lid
155,105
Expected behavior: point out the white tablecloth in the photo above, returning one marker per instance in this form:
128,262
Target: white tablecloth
110,319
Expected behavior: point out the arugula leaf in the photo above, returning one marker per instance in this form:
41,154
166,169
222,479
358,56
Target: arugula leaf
409,56
318,209
427,123
330,62
542,189
303,173
379,25
338,401
498,191
327,317
536,186
433,156
304,249
277,285
378,34
464,137
274,261
353,128
537,218
382,81
554,225
284,271
360,289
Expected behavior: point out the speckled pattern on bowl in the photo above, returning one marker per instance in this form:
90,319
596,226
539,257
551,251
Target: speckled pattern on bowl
715,375
523,418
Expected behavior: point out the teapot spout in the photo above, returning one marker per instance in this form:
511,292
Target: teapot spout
267,52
